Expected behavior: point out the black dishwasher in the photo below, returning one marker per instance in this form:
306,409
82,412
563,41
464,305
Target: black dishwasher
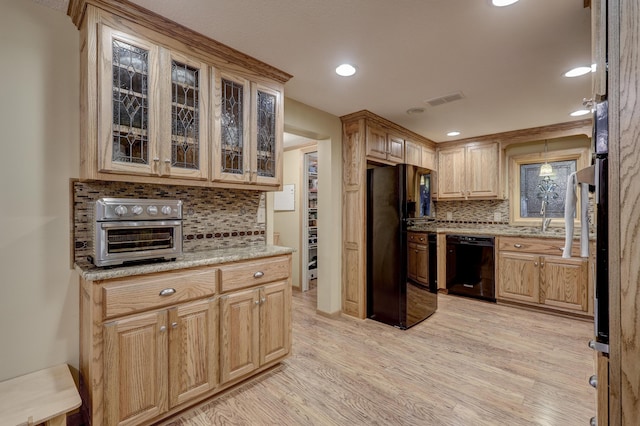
471,266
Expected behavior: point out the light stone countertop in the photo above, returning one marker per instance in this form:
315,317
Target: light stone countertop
497,231
91,272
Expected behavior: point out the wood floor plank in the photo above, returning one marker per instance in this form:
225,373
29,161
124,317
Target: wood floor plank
471,363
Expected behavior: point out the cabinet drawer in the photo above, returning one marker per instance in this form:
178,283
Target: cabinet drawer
536,245
125,296
417,237
255,272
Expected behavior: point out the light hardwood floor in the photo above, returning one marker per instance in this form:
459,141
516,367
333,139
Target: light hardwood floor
471,363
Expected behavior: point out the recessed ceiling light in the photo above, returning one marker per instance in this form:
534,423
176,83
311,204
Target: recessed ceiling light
501,3
346,70
455,133
577,72
580,112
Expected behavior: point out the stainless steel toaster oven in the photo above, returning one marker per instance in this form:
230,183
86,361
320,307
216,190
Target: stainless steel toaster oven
134,230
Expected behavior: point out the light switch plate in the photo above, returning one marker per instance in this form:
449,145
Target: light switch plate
497,217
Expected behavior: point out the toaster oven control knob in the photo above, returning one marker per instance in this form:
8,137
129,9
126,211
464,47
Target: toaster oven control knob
137,210
167,210
120,210
152,210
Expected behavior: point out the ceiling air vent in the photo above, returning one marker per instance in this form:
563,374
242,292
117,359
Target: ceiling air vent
445,99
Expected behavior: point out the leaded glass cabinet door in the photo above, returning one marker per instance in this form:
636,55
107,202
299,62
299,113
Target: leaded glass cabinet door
232,136
184,147
267,130
128,124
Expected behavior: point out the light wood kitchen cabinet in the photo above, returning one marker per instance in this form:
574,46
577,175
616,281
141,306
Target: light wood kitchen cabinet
248,141
418,257
152,345
385,146
153,103
136,376
532,271
412,153
469,171
154,355
153,109
518,277
418,155
428,158
193,350
255,316
240,337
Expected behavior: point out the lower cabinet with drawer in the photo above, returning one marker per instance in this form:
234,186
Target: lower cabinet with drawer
533,272
152,345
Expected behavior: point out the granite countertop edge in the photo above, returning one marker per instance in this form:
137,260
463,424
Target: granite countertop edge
513,232
90,272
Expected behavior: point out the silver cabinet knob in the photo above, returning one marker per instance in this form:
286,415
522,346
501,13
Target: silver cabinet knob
264,299
174,325
257,302
517,245
593,381
167,292
163,329
593,421
258,274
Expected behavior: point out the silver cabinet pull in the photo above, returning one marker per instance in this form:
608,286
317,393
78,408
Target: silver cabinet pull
163,329
517,245
593,381
258,274
167,292
174,325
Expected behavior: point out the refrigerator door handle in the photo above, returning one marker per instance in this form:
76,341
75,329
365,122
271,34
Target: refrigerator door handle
600,347
587,175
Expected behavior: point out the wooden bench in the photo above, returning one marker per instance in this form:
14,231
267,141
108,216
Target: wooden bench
44,396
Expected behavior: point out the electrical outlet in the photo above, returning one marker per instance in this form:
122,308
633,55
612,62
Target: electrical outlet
449,216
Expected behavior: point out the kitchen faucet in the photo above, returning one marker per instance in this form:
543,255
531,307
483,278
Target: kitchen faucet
543,212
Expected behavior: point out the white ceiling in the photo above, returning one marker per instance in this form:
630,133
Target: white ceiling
508,62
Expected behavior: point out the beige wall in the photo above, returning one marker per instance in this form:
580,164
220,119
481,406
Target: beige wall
39,113
303,120
287,223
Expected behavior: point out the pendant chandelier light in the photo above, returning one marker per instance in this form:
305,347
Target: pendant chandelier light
546,169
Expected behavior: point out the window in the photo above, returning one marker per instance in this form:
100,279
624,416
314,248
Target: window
528,190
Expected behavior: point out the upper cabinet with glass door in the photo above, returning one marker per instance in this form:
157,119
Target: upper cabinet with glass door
248,142
161,103
153,109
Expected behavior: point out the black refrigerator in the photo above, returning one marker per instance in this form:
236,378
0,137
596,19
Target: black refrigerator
396,196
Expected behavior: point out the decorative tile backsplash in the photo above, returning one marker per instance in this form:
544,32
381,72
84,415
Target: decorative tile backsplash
490,214
212,218
476,211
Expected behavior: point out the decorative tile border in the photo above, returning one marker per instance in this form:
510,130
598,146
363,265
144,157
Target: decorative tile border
213,218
